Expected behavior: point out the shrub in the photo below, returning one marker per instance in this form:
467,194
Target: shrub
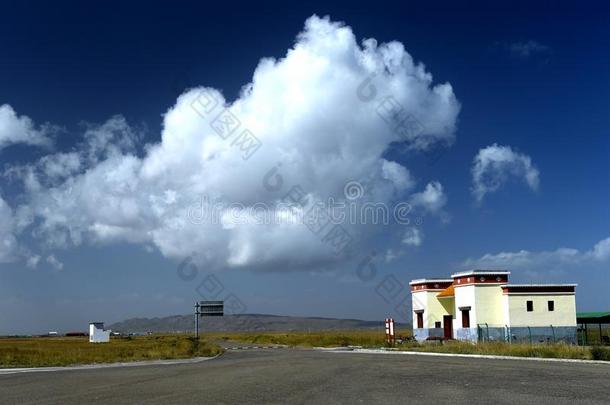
600,353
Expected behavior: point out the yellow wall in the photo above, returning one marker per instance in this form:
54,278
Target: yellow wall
448,304
433,308
485,302
563,315
489,308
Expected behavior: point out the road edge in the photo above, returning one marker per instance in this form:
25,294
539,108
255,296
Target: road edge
193,360
473,356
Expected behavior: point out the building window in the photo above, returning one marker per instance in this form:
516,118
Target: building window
530,306
465,318
551,305
437,324
420,320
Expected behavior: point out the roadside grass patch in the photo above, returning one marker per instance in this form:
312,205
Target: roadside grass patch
558,350
376,339
364,338
600,353
64,351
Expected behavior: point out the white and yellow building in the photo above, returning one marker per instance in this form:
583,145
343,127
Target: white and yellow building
483,305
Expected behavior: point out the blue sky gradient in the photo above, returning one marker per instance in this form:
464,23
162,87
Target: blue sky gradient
532,77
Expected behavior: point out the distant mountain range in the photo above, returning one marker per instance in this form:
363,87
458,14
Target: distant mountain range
236,323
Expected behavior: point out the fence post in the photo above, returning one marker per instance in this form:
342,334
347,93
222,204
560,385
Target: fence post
554,339
487,328
586,336
529,331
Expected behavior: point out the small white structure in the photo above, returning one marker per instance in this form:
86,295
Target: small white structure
97,334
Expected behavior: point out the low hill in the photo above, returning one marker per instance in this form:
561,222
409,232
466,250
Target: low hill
246,322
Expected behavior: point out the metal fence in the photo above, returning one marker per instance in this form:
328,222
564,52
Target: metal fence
527,334
594,334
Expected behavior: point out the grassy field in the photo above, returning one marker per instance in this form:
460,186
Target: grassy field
375,339
365,338
63,351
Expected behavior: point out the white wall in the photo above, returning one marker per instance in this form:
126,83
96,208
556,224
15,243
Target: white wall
464,297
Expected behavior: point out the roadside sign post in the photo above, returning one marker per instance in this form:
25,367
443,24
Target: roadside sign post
197,320
207,308
390,338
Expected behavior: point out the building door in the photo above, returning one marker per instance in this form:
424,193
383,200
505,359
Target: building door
448,326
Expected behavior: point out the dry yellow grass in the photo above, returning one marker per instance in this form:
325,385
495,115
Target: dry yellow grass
60,351
63,351
365,338
376,338
594,336
563,351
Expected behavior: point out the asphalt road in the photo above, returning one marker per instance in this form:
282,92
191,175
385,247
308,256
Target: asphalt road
279,376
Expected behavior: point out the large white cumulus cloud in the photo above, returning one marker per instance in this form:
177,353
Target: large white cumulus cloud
316,131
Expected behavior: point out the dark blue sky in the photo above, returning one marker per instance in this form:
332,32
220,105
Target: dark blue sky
71,63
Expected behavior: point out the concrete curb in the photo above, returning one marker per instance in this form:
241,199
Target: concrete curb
340,349
253,347
8,371
473,356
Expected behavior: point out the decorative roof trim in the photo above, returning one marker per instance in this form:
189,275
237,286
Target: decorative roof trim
480,273
431,280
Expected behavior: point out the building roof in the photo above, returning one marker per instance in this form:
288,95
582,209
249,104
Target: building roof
447,292
537,285
592,315
431,280
479,272
553,289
